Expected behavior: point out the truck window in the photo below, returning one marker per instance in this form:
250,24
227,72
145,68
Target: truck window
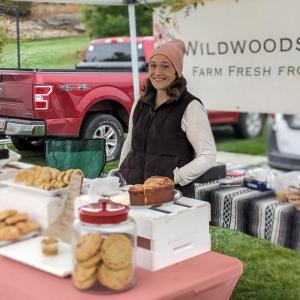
112,52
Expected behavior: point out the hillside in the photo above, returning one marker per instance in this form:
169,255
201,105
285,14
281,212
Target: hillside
47,21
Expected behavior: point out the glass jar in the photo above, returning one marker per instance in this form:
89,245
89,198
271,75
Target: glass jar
104,248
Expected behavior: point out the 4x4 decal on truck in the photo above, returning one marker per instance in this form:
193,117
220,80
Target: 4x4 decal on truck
69,87
66,87
82,87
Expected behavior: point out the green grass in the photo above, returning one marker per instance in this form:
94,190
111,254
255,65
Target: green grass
226,141
270,272
60,53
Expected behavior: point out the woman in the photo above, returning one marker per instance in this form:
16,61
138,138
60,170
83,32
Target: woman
169,132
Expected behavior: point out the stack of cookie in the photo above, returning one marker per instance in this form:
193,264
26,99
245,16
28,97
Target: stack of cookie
45,177
14,225
107,260
293,196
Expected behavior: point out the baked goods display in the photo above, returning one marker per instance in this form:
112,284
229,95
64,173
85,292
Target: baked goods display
155,190
45,177
50,246
104,260
14,225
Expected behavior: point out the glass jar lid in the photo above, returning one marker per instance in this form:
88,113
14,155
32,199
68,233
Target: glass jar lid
103,212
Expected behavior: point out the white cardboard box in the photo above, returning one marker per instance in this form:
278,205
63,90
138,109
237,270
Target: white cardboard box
169,233
166,256
40,208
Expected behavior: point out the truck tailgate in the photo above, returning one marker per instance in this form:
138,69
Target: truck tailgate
16,93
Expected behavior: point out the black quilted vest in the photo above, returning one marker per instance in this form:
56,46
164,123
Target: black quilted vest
159,145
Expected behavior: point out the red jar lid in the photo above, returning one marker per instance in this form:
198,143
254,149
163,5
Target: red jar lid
103,212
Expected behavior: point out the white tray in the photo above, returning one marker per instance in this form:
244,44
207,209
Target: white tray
29,252
31,189
22,238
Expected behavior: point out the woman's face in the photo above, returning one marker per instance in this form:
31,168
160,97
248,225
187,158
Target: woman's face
161,72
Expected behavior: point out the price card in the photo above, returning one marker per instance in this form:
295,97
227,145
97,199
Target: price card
62,227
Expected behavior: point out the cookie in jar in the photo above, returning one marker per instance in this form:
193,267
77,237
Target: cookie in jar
104,248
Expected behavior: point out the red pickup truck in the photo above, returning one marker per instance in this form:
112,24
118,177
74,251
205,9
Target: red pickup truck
91,101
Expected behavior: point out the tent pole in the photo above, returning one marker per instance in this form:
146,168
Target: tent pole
134,55
17,13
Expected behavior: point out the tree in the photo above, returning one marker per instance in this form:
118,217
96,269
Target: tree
10,7
106,21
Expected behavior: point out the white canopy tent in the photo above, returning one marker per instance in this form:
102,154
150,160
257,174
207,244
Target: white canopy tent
132,27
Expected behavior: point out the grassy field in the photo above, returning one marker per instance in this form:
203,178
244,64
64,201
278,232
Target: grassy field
60,53
226,141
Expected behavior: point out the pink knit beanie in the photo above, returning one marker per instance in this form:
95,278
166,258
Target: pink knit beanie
174,51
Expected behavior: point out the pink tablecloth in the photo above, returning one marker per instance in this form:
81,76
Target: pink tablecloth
209,276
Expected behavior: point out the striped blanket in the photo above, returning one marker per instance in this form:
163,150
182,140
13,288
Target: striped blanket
228,204
295,239
272,220
253,212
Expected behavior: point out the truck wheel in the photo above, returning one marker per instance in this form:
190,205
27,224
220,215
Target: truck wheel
27,143
250,125
108,127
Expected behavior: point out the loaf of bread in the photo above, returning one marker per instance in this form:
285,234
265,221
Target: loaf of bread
155,190
136,194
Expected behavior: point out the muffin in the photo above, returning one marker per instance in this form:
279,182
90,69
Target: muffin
50,246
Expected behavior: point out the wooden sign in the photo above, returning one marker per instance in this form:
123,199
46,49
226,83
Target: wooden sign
62,227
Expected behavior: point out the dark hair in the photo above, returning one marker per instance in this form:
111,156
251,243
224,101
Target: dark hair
175,89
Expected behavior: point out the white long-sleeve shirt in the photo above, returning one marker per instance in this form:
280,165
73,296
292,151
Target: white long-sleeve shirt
197,128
